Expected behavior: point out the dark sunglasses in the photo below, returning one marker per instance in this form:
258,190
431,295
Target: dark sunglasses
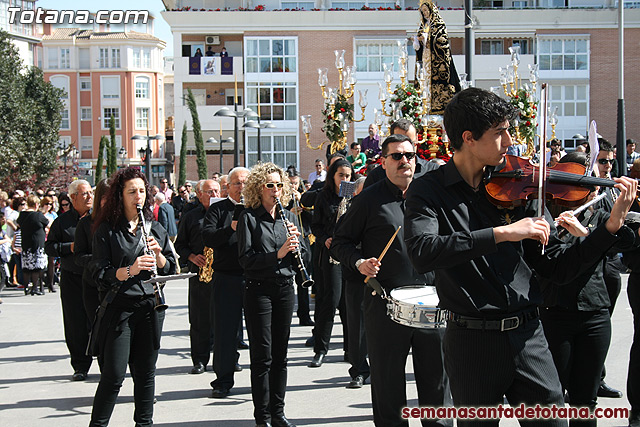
605,161
398,156
64,205
272,185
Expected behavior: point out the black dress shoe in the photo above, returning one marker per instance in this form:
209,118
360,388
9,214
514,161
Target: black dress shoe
79,376
607,391
281,421
356,382
242,345
310,342
198,368
317,360
220,393
238,368
307,322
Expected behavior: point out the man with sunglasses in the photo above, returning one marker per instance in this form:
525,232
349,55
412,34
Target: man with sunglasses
360,236
406,128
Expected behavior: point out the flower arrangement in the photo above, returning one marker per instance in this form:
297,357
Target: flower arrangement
527,119
409,103
332,124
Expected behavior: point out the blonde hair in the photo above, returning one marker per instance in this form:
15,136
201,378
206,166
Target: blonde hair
32,201
258,178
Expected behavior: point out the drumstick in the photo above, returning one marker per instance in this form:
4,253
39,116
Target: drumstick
386,248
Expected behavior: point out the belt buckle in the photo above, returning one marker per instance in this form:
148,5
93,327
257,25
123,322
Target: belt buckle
514,325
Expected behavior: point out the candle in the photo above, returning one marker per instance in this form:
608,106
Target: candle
221,132
235,96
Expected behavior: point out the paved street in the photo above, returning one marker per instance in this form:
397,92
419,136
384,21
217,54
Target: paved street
36,387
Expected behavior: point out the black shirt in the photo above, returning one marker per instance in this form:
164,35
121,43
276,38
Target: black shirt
325,211
219,235
114,248
189,240
32,224
372,218
61,236
82,247
588,291
449,229
422,166
260,236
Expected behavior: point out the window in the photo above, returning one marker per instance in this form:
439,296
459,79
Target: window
279,149
519,4
524,46
359,4
271,56
278,101
86,143
61,82
146,58
491,47
136,58
52,57
571,100
110,87
563,55
64,124
85,83
84,58
115,58
142,87
371,54
85,113
142,118
106,118
65,60
306,5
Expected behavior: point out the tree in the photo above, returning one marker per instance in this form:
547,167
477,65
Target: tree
30,117
182,174
112,154
201,155
103,143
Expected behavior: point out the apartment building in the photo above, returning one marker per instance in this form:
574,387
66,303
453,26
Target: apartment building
110,71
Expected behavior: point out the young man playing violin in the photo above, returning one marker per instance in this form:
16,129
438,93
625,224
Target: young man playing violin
487,259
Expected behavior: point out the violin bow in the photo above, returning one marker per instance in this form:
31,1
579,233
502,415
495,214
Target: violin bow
542,179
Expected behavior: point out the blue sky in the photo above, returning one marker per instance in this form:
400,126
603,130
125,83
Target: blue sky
162,30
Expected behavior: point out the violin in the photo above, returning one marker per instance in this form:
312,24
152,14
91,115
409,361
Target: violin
515,181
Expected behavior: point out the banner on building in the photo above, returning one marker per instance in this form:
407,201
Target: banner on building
194,65
209,65
226,65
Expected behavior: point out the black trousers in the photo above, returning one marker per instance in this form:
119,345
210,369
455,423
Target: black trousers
227,295
76,323
389,344
200,320
484,366
303,299
329,291
90,299
633,377
579,342
357,343
268,313
129,343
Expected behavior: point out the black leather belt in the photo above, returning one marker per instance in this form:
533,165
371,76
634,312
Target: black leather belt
265,282
505,324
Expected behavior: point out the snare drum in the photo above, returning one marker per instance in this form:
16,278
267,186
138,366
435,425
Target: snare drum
416,306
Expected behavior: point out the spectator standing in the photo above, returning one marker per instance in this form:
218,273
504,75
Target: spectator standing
34,260
224,53
65,203
371,144
179,200
357,158
164,189
319,174
46,207
17,204
631,153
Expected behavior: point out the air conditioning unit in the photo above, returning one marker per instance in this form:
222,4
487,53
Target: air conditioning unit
212,40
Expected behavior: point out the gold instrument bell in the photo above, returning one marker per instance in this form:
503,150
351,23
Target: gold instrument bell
205,273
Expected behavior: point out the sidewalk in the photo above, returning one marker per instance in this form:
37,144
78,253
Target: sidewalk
36,387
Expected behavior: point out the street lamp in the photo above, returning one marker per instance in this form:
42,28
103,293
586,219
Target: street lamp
64,150
257,125
212,140
123,155
146,152
225,112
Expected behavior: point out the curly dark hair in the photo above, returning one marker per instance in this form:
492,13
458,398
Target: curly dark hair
475,110
329,184
113,209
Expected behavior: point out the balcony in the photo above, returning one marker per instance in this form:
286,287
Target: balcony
181,71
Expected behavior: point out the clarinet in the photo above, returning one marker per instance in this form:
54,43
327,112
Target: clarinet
307,280
157,289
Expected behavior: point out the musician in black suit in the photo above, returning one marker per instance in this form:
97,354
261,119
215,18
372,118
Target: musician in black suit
190,247
372,219
219,233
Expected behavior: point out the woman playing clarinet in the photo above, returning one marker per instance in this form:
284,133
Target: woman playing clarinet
122,260
266,248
